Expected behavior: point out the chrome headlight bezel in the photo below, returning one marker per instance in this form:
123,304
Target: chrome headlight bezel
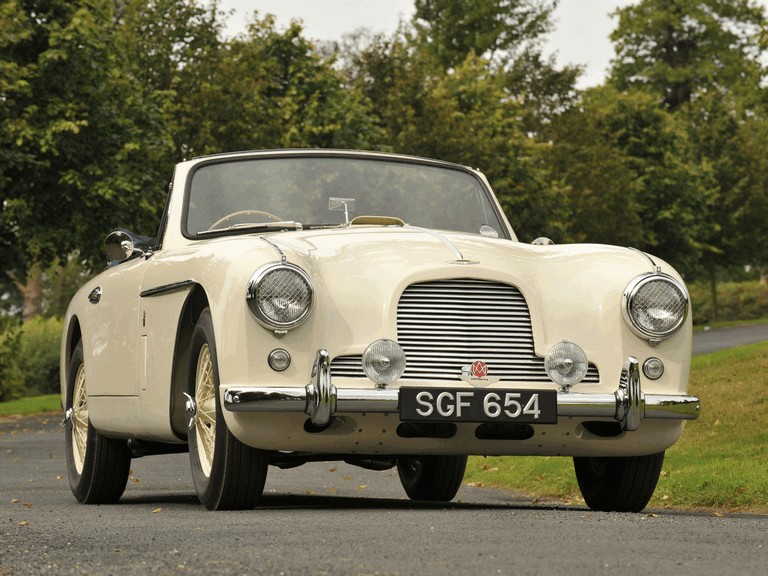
256,296
635,309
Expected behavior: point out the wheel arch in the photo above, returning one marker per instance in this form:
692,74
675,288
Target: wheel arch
72,336
196,302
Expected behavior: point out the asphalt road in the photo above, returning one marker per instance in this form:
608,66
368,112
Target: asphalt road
330,518
707,341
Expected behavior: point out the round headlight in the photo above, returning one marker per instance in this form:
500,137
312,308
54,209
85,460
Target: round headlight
280,296
655,305
566,364
384,362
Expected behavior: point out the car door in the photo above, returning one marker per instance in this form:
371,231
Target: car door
110,331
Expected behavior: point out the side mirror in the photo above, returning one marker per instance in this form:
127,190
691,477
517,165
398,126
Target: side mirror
120,245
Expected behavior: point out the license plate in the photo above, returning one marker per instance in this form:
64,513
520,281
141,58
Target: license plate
478,405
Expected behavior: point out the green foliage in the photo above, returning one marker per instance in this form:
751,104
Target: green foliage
736,301
11,378
682,48
451,30
76,137
38,360
704,61
29,358
730,135
632,175
469,114
61,280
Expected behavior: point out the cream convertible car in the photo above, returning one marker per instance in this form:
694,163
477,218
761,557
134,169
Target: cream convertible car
313,305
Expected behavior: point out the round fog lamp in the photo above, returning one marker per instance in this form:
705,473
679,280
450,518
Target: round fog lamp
566,364
384,362
653,368
279,360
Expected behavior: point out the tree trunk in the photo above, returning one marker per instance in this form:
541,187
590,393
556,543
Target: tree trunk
32,292
713,292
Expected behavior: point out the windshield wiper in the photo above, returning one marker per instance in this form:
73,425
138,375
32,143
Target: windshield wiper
253,227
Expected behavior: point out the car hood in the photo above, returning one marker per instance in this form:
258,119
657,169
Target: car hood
360,273
397,252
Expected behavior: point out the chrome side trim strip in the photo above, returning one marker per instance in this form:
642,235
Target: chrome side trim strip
165,288
320,400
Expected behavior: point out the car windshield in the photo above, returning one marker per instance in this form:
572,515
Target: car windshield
241,194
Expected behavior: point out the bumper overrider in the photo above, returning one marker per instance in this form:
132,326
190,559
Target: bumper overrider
321,399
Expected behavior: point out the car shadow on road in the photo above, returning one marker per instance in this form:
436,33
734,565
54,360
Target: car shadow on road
324,502
339,503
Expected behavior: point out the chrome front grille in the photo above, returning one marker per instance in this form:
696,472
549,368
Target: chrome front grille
446,325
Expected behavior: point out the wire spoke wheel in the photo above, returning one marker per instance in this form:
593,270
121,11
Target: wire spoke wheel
98,466
205,422
228,475
79,417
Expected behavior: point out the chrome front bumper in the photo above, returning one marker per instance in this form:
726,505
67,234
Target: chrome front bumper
320,399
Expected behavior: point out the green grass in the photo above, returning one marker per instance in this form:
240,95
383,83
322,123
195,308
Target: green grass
32,405
718,464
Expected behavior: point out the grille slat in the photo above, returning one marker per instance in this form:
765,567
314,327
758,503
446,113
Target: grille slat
446,325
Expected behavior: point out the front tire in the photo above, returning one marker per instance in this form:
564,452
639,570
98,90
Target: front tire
623,484
228,475
435,478
97,466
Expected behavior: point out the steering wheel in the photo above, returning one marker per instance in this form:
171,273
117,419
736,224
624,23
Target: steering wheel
239,213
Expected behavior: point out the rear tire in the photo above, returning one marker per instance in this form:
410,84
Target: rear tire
435,478
97,466
623,484
228,475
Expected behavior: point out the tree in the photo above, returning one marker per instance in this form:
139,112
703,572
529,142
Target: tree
462,85
451,29
632,175
730,138
74,133
174,50
703,60
272,89
682,48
